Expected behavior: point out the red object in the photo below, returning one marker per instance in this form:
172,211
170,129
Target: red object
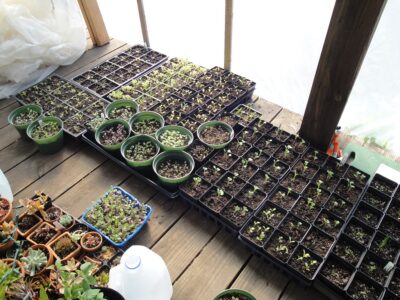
334,147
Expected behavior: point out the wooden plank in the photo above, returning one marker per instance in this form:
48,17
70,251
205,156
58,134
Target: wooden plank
6,102
268,109
228,34
16,153
5,112
350,31
66,175
37,166
138,188
8,136
261,279
295,291
288,120
182,243
213,270
94,21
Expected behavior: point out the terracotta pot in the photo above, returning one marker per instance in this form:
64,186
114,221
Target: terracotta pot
84,237
9,215
10,261
50,257
30,230
53,208
29,237
73,254
7,245
62,228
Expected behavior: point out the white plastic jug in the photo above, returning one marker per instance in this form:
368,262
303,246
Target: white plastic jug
141,275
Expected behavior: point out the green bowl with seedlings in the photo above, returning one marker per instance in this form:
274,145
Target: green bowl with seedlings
173,167
23,116
112,133
121,109
47,133
215,134
174,137
146,122
139,150
234,294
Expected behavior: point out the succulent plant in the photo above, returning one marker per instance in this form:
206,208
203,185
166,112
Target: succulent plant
34,261
6,231
65,220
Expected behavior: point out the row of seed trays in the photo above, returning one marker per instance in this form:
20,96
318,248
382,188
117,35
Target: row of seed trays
119,69
45,253
56,97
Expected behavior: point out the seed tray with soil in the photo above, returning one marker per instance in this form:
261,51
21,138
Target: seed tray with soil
244,168
347,190
305,262
284,198
201,115
271,214
224,159
43,234
231,184
383,185
318,242
390,227
146,102
96,109
314,156
394,285
348,250
329,223
173,101
213,107
190,124
257,157
317,193
76,125
82,100
279,134
359,232
195,187
298,144
215,199
256,232
275,168
261,126
251,196
358,177
249,135
200,99
246,114
173,117
65,92
339,206
265,182
210,172
335,166
394,210
306,169
236,213
239,147
294,182
294,227
62,111
268,145
286,154
376,199
385,247
227,118
280,246
161,108
306,209
199,151
368,215
186,107
337,272
373,267
362,288
328,178
48,103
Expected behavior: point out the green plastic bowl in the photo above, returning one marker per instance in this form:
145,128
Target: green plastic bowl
181,130
107,124
235,291
146,115
51,144
133,140
16,112
120,103
214,124
173,154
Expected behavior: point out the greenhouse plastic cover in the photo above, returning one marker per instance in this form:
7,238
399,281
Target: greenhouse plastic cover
37,36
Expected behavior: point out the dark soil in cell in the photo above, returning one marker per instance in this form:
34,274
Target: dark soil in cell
329,224
374,268
391,228
314,156
215,199
361,289
284,198
294,227
394,285
319,195
244,169
394,210
385,247
268,145
305,262
275,167
224,159
213,203
367,215
286,154
173,101
336,273
257,232
329,179
306,209
306,169
114,134
377,200
281,246
239,147
262,126
335,166
294,182
257,157
385,186
231,184
360,178
186,107
185,93
216,135
251,196
199,151
190,124
299,145
265,182
279,134
44,234
213,107
173,168
228,119
359,233
27,222
347,251
210,172
173,117
347,190
338,206
200,99
63,111
249,135
271,214
195,187
201,116
318,242
82,100
236,212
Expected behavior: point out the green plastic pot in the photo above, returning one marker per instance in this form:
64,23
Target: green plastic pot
173,154
107,124
235,291
181,129
146,115
16,112
120,103
133,140
214,124
51,144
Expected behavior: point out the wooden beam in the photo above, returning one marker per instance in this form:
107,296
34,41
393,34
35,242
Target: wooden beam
228,34
143,23
94,22
350,31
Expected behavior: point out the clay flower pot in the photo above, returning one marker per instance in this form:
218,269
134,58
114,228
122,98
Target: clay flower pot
7,245
72,254
55,210
8,215
45,249
86,236
31,229
43,224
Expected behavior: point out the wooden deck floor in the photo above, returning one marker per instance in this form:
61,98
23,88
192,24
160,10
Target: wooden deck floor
202,258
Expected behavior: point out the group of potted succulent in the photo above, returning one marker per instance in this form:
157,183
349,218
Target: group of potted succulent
46,253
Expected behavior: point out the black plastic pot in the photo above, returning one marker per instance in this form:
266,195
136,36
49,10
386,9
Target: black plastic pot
111,294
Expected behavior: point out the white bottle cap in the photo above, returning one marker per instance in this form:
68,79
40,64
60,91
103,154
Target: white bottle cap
132,262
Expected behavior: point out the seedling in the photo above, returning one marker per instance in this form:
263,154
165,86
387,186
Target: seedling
310,203
350,184
315,155
371,267
360,176
220,192
305,166
287,151
295,174
275,166
250,193
384,243
269,213
197,180
330,174
267,178
245,163
307,261
282,248
240,210
295,226
227,154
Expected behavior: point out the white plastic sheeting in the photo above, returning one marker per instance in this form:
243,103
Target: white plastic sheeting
37,36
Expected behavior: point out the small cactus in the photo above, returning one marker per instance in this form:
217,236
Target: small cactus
34,261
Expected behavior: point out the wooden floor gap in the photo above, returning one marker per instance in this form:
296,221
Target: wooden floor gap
284,289
240,271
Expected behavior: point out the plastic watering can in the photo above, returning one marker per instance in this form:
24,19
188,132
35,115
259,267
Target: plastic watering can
141,275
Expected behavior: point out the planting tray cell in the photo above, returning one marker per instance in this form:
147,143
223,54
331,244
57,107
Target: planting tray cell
135,202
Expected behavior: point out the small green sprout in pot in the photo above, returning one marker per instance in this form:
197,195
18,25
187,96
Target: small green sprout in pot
215,134
173,167
173,137
146,122
22,117
47,133
121,109
234,294
93,124
112,133
140,150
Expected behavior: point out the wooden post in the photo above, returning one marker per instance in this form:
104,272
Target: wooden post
350,31
228,34
143,23
94,22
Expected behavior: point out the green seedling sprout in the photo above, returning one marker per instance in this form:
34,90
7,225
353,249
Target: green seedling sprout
197,180
287,150
384,242
310,203
250,193
220,192
305,166
329,174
